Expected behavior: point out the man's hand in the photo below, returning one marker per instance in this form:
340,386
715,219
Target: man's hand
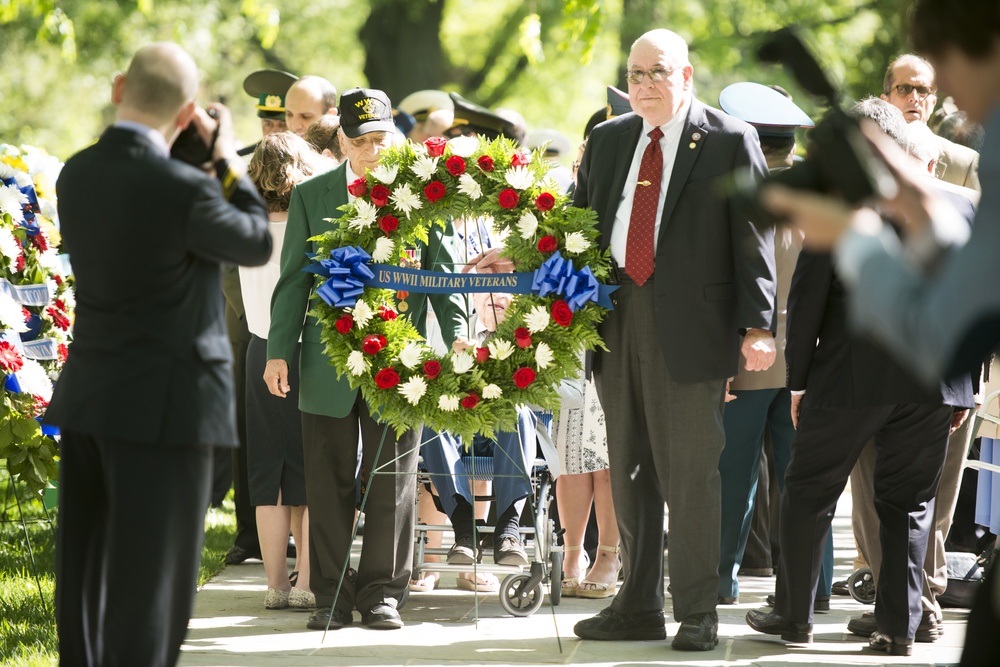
729,396
225,143
758,349
276,377
489,262
796,406
957,419
460,345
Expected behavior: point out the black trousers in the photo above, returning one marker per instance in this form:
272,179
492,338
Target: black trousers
910,444
128,546
330,454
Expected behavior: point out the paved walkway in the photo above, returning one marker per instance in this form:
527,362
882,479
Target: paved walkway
232,628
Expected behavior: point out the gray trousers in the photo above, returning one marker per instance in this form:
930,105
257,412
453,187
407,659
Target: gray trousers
664,442
866,524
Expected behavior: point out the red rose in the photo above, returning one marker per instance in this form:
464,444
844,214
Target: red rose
509,198
58,279
344,324
455,165
561,313
547,243
523,377
39,241
38,405
387,313
545,201
373,343
485,163
60,304
10,358
519,160
387,378
522,337
470,401
63,352
482,354
380,195
388,224
358,188
58,318
435,146
434,190
432,369
20,262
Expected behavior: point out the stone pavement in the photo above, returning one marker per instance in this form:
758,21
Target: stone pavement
231,628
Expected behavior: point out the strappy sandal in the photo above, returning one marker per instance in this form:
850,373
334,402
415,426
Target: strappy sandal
485,582
426,583
601,589
570,585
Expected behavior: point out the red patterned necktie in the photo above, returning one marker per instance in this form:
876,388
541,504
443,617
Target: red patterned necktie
642,224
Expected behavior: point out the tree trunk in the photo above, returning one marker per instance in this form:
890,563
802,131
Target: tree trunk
402,44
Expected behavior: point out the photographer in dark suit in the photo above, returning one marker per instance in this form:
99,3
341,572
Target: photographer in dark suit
147,389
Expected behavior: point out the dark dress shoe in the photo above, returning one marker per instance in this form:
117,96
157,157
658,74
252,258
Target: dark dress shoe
614,626
238,554
508,551
891,645
840,588
382,617
773,624
698,632
928,631
821,603
318,619
463,552
756,571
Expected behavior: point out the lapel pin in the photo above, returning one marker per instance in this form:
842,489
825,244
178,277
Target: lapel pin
696,136
692,145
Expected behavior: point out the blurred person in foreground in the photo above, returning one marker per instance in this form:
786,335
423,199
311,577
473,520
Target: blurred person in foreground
929,299
148,390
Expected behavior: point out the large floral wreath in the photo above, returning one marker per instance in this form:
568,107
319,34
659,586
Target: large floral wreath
539,342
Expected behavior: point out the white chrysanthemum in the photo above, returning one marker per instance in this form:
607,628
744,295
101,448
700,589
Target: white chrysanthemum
364,215
527,225
413,389
356,363
519,178
462,362
362,314
385,174
448,403
491,391
12,202
463,146
576,242
383,249
405,199
543,355
424,167
68,297
467,185
537,319
500,348
34,380
9,247
23,179
11,314
410,354
49,259
7,171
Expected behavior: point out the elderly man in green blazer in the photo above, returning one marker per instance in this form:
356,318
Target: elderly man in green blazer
333,415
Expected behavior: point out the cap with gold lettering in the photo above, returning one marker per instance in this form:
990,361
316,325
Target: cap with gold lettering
364,110
269,86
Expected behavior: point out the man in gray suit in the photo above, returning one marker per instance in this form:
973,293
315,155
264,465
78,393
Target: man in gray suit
695,275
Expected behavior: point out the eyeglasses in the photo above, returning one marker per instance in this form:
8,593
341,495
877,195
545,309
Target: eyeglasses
656,75
905,89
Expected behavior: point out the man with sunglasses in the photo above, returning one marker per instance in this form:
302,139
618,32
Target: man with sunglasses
695,275
909,86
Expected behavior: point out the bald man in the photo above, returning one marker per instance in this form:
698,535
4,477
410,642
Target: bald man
148,392
307,100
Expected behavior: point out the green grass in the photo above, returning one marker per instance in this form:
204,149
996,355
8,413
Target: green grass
27,622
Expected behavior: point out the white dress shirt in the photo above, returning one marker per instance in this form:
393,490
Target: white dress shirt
669,142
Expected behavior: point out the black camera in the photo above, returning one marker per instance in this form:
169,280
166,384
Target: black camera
191,148
840,162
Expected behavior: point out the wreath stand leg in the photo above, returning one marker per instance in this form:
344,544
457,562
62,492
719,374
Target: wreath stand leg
11,492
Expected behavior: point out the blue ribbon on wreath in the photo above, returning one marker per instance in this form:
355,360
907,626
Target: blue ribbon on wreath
557,276
346,273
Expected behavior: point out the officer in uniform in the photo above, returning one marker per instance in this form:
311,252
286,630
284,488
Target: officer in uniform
268,87
433,112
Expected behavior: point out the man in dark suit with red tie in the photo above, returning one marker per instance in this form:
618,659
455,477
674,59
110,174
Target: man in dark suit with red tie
147,390
696,275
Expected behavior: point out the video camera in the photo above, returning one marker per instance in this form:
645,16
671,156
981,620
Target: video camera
840,160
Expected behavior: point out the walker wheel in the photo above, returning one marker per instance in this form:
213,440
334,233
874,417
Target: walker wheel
861,584
516,600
